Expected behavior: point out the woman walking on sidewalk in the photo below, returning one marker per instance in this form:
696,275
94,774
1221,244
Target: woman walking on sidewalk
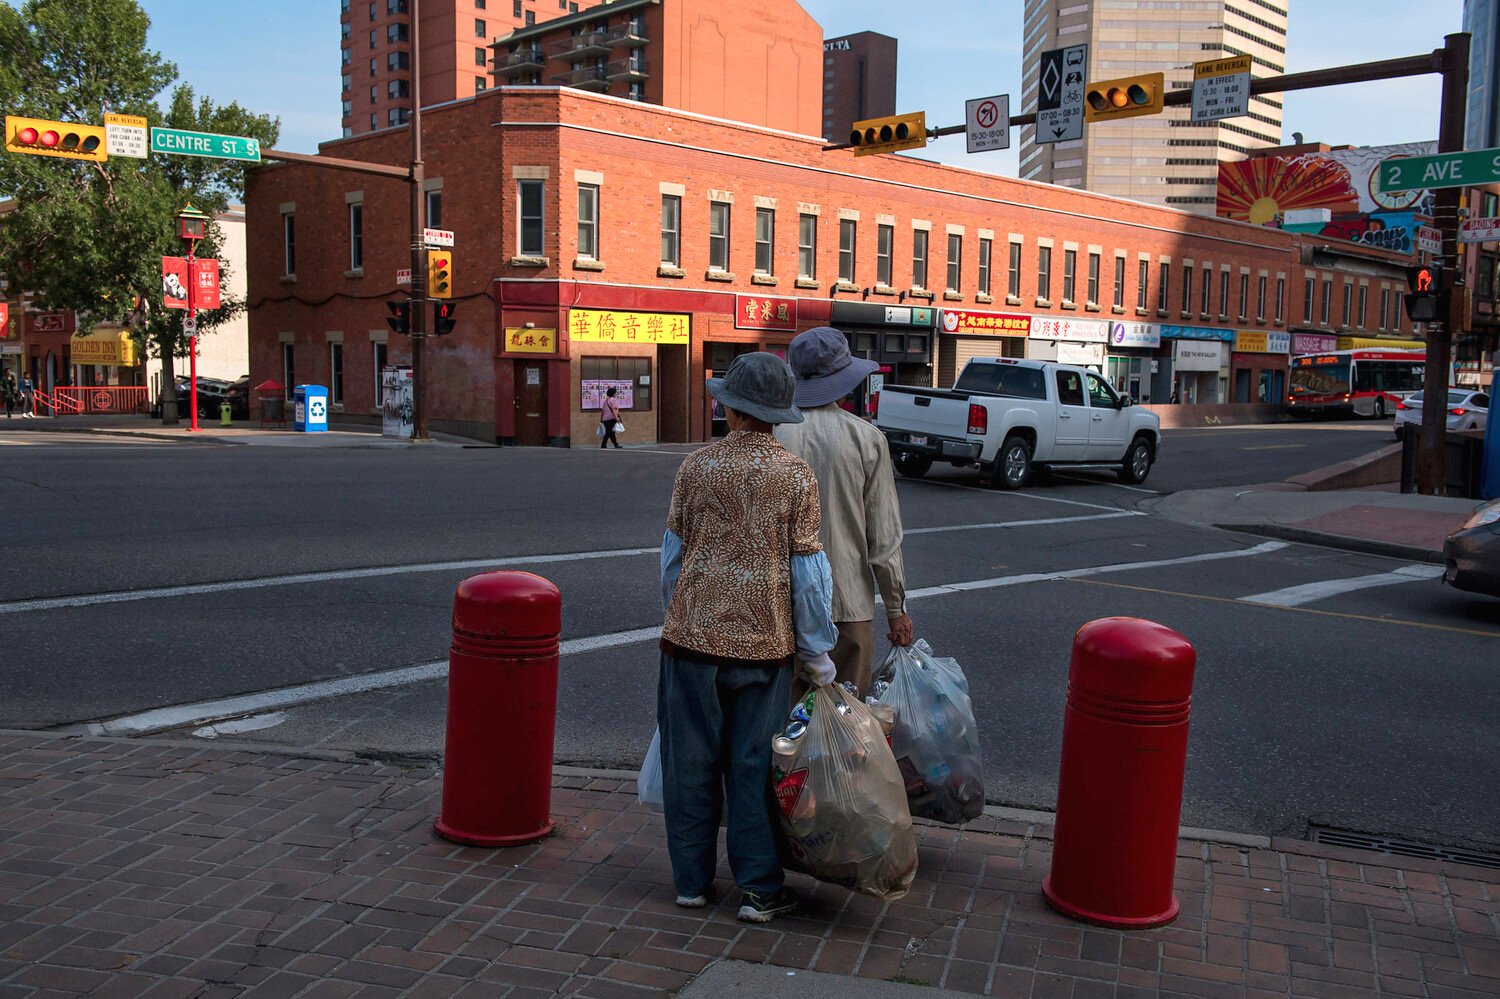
11,393
609,415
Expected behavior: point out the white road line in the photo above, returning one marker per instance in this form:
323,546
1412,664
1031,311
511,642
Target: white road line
160,592
1296,596
1101,482
1025,523
1016,494
207,712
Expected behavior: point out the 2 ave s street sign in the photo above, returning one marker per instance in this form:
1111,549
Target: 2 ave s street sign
184,143
1415,173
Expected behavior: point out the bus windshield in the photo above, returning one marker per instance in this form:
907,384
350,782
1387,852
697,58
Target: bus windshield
1321,379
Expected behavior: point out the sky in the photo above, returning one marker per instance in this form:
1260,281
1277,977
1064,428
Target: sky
281,57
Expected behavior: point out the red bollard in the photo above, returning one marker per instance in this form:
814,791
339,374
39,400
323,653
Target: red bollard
1119,792
502,710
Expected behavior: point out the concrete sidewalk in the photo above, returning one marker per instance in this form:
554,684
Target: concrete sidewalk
155,868
242,432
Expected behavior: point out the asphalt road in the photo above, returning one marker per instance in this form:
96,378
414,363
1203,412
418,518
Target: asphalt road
1369,710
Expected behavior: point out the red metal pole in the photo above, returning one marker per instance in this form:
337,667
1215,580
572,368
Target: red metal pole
1119,793
502,710
192,342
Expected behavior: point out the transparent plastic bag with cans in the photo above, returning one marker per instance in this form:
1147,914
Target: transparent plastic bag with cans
842,802
935,739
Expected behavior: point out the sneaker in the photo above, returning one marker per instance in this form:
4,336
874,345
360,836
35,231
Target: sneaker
692,901
763,908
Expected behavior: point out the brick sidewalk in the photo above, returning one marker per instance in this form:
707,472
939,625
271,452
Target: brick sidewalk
134,868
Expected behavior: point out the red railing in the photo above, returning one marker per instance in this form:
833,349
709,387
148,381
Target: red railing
51,405
102,398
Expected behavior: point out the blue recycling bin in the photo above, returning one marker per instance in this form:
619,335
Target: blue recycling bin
310,415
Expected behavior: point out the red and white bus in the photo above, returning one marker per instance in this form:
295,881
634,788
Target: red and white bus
1367,382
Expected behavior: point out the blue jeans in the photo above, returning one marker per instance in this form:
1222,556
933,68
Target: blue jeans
717,723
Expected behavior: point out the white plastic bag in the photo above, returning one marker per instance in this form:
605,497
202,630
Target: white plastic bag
599,430
935,738
648,786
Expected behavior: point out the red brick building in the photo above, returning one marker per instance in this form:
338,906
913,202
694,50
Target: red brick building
606,242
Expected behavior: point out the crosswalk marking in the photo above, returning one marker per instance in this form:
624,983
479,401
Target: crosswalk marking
1296,596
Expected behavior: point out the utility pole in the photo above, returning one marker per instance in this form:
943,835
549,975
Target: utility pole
418,244
1432,461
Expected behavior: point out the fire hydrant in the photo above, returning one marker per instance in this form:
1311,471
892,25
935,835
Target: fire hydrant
226,417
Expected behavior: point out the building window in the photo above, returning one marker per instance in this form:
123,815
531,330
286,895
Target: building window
395,6
955,260
919,258
288,367
530,17
344,31
398,89
671,229
1187,288
434,213
373,63
1205,296
481,56
372,10
336,374
588,221
356,236
807,247
530,196
1143,279
393,61
984,266
1308,292
373,37
289,243
1385,305
885,244
1223,294
1260,299
847,229
397,116
1119,282
765,240
1164,274
629,376
395,33
374,95
1043,272
1280,298
1364,294
479,85
1396,312
515,8
1327,301
1348,303
479,28
1093,288
379,354
718,235
1244,295
1013,279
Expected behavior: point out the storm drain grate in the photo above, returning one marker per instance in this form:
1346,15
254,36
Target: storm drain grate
1401,847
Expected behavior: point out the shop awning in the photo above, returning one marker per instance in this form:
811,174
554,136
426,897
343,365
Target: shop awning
1379,342
103,347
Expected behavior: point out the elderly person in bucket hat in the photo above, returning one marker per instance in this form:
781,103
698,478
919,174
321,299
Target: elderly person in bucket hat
746,590
861,516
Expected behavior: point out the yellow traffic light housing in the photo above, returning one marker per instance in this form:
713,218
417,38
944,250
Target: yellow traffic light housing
890,134
42,137
1124,98
439,274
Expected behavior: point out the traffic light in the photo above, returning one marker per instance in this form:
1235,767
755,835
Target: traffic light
400,318
442,318
1424,301
41,137
890,134
439,273
1124,98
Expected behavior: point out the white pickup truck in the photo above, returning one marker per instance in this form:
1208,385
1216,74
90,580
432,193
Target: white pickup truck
1005,415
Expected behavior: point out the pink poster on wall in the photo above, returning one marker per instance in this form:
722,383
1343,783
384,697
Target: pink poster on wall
594,389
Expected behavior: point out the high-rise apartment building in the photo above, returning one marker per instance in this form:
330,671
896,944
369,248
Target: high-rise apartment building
1482,124
859,81
1163,159
455,36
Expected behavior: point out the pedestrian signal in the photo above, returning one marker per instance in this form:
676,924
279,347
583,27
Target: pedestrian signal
41,137
890,134
400,318
442,318
1124,98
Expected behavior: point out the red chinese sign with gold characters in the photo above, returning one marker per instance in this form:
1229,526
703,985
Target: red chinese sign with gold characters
5,331
757,312
967,323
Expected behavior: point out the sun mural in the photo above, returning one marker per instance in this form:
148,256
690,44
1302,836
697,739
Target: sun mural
1258,190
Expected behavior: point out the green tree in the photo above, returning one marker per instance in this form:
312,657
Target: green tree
90,236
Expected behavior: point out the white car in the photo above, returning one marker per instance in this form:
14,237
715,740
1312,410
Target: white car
1467,410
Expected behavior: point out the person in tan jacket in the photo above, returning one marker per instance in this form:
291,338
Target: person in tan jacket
861,515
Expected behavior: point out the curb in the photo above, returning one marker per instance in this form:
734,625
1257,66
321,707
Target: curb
1322,539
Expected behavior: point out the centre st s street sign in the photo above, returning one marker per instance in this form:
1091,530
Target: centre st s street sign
225,147
1414,173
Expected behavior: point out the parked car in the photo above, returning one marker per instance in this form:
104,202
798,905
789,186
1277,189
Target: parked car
1471,554
1005,415
211,394
1468,409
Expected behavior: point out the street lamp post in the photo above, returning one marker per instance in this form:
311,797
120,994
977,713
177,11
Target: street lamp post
192,226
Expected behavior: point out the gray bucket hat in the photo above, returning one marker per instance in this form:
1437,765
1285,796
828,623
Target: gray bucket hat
825,370
758,385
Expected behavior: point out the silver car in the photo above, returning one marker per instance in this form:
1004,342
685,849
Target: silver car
1468,409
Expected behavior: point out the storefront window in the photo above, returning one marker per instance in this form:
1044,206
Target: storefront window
630,377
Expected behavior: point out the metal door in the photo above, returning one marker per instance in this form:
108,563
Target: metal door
531,404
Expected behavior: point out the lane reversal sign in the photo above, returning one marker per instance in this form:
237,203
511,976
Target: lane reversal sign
1221,88
1059,100
125,135
987,123
181,142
